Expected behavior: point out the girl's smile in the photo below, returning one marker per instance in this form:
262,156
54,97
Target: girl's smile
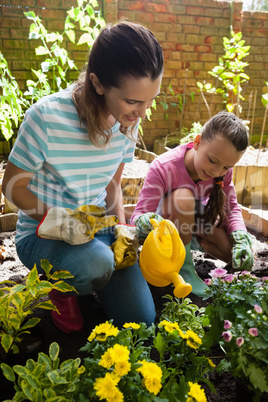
210,159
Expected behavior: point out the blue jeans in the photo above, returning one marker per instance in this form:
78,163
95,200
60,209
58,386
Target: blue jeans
124,293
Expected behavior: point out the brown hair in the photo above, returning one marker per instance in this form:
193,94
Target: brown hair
234,129
126,49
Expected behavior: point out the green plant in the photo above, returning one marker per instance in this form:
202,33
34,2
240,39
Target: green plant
186,135
229,73
177,101
45,380
57,62
55,66
11,101
158,363
18,301
239,317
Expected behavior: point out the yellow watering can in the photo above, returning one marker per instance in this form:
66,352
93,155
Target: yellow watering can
162,256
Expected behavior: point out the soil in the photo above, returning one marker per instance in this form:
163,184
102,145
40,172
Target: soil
45,332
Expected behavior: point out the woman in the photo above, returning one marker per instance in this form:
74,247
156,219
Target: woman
70,152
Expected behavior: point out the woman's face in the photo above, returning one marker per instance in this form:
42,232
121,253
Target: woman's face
129,102
214,158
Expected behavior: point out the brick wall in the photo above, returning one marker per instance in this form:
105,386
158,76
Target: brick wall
190,32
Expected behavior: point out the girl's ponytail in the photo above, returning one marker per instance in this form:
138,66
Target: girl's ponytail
214,210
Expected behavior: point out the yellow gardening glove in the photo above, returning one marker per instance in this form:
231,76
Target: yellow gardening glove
125,246
74,226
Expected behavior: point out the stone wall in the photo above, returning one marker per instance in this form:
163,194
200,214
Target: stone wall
190,32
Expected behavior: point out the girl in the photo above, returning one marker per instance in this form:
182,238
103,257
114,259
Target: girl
70,152
192,186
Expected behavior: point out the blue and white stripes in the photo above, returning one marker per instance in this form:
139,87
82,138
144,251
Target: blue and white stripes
68,169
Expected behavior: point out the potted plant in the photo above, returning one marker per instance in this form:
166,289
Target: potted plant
239,323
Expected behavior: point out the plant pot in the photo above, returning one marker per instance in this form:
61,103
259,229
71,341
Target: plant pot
244,394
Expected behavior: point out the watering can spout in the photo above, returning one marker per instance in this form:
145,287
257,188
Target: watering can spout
162,256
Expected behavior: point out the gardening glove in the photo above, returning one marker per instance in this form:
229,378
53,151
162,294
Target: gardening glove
125,246
74,226
143,224
242,255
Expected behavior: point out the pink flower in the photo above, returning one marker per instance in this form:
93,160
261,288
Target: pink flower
227,336
218,273
265,278
229,278
227,324
208,281
253,332
240,341
258,309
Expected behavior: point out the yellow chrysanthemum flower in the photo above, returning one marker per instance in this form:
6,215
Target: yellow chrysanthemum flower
122,367
211,363
193,339
106,360
117,396
150,370
119,353
196,393
169,326
102,331
132,325
105,386
153,385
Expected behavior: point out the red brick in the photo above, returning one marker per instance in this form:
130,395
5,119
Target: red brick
13,10
204,21
192,29
168,46
144,17
49,3
138,6
15,44
10,22
158,8
53,14
164,17
190,10
202,48
185,47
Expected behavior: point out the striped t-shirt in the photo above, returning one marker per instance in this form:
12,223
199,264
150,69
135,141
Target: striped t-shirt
69,170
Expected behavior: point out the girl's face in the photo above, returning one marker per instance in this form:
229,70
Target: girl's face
214,158
129,102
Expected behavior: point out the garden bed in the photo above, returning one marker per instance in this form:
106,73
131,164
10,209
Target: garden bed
46,332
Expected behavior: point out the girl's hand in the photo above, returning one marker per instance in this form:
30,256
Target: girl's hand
143,224
242,255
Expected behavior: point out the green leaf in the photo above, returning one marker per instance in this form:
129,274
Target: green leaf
30,15
85,38
159,343
32,322
54,351
8,372
257,378
32,278
33,382
71,35
6,342
26,388
40,50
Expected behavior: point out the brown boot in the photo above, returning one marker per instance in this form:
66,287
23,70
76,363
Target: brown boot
70,318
